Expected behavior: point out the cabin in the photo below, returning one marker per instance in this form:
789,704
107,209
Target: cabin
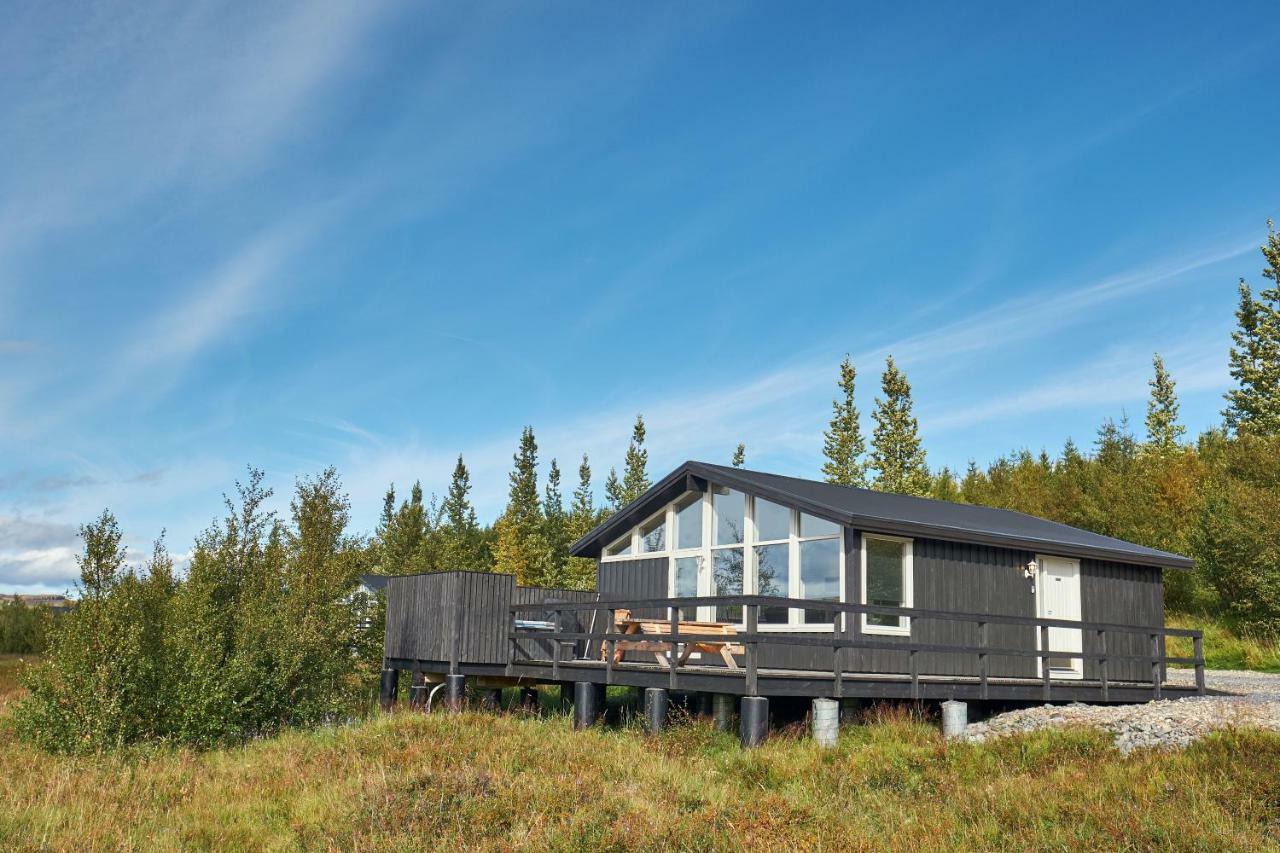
740,583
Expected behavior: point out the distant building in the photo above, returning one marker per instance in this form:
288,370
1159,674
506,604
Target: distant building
53,602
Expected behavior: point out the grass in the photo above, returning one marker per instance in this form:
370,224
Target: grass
1225,647
408,780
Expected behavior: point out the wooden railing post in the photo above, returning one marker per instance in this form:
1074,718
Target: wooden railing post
610,645
511,642
753,617
1197,646
1044,659
982,659
555,647
1155,666
1102,664
839,631
675,644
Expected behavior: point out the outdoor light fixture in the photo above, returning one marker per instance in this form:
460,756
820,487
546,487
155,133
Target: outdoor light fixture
1030,571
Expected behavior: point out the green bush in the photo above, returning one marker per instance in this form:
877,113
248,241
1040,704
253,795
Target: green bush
22,628
263,632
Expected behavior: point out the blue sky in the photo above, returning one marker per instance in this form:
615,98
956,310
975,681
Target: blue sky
377,235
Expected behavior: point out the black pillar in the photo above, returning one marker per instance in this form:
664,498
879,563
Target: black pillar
754,713
655,709
418,691
389,688
586,704
491,699
455,692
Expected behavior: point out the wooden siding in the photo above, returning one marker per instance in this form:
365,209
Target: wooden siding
959,577
434,617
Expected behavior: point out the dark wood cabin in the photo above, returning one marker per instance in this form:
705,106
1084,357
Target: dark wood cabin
832,592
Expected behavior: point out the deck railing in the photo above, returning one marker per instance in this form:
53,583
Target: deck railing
844,636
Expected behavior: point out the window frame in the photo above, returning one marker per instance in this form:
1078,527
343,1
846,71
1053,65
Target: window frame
903,628
750,581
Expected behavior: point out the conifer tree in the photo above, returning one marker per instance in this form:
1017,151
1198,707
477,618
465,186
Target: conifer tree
635,479
945,487
1163,429
842,443
1254,405
614,491
580,572
521,548
897,456
460,546
740,455
555,528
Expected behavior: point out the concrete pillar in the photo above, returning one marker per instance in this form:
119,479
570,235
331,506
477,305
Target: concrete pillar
655,709
389,688
586,704
418,691
722,711
955,716
826,722
754,724
491,699
455,692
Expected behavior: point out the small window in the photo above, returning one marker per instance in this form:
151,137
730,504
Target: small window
820,575
886,567
773,577
620,548
653,534
726,577
811,525
731,511
773,522
689,522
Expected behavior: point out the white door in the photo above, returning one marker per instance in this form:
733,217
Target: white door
1058,597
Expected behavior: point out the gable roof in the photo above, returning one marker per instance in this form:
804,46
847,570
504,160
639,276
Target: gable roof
882,512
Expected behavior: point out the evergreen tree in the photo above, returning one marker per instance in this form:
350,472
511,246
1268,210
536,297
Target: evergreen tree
1163,429
739,455
1254,405
403,536
521,548
843,444
897,455
614,491
635,479
555,527
460,545
945,487
580,572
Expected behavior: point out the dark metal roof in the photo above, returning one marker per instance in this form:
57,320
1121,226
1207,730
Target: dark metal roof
882,512
374,583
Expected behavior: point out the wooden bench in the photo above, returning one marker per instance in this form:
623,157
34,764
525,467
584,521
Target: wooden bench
624,623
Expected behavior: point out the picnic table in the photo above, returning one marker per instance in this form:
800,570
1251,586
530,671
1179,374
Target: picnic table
625,623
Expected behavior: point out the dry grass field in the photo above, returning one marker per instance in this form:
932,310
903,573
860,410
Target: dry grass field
409,781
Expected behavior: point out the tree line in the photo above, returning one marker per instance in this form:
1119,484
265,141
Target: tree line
266,628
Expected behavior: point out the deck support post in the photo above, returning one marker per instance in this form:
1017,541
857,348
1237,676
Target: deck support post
849,711
389,688
655,710
754,725
826,722
455,692
418,691
722,711
586,704
491,699
955,716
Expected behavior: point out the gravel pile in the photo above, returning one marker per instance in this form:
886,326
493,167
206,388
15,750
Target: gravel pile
1168,724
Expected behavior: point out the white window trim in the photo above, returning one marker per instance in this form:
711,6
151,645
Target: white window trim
704,552
903,628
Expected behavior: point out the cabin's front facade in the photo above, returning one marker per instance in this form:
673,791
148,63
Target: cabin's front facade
831,592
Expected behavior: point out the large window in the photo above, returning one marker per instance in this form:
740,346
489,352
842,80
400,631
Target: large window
725,542
886,580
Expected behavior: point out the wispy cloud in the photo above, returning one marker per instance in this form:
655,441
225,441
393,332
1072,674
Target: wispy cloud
103,110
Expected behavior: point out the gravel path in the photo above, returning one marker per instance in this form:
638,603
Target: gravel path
1167,724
